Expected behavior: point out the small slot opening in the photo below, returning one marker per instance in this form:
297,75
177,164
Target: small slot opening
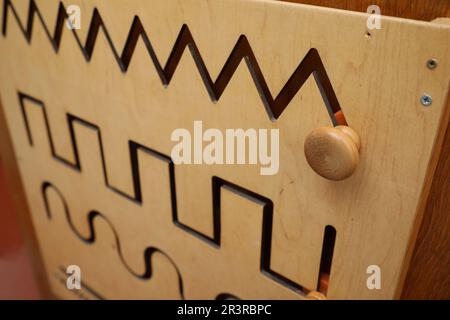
329,239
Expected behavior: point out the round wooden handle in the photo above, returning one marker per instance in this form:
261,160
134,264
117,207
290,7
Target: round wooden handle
333,152
315,295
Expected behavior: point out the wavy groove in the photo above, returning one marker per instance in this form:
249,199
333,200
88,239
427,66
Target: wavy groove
216,183
92,215
311,63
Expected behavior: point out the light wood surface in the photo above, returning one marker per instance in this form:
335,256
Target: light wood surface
377,81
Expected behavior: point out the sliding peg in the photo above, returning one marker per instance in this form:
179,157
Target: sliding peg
315,295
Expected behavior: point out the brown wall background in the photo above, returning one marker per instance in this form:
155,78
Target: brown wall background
425,10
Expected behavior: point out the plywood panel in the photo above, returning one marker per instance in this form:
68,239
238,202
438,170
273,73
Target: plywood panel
91,128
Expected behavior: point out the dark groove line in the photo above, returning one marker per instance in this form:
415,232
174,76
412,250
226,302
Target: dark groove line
78,293
227,296
326,259
84,285
217,185
311,63
91,238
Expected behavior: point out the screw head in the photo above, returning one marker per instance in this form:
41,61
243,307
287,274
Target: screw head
432,64
426,100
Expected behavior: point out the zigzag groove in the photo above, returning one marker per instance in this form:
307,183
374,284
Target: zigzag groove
311,63
217,185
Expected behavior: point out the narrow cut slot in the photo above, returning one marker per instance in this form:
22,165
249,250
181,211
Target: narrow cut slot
326,259
340,118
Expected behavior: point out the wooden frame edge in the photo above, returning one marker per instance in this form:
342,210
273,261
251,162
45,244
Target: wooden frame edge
426,272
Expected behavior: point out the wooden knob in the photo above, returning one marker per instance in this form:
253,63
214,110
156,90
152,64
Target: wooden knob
333,152
315,295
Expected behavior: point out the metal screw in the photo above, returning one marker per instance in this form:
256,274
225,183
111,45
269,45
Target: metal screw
426,100
432,64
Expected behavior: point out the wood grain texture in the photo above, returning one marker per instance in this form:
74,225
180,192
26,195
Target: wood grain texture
425,10
332,152
352,134
428,276
375,207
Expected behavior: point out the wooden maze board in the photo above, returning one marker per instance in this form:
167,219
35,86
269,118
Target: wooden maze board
91,113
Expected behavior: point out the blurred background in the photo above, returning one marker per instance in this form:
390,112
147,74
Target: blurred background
16,276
